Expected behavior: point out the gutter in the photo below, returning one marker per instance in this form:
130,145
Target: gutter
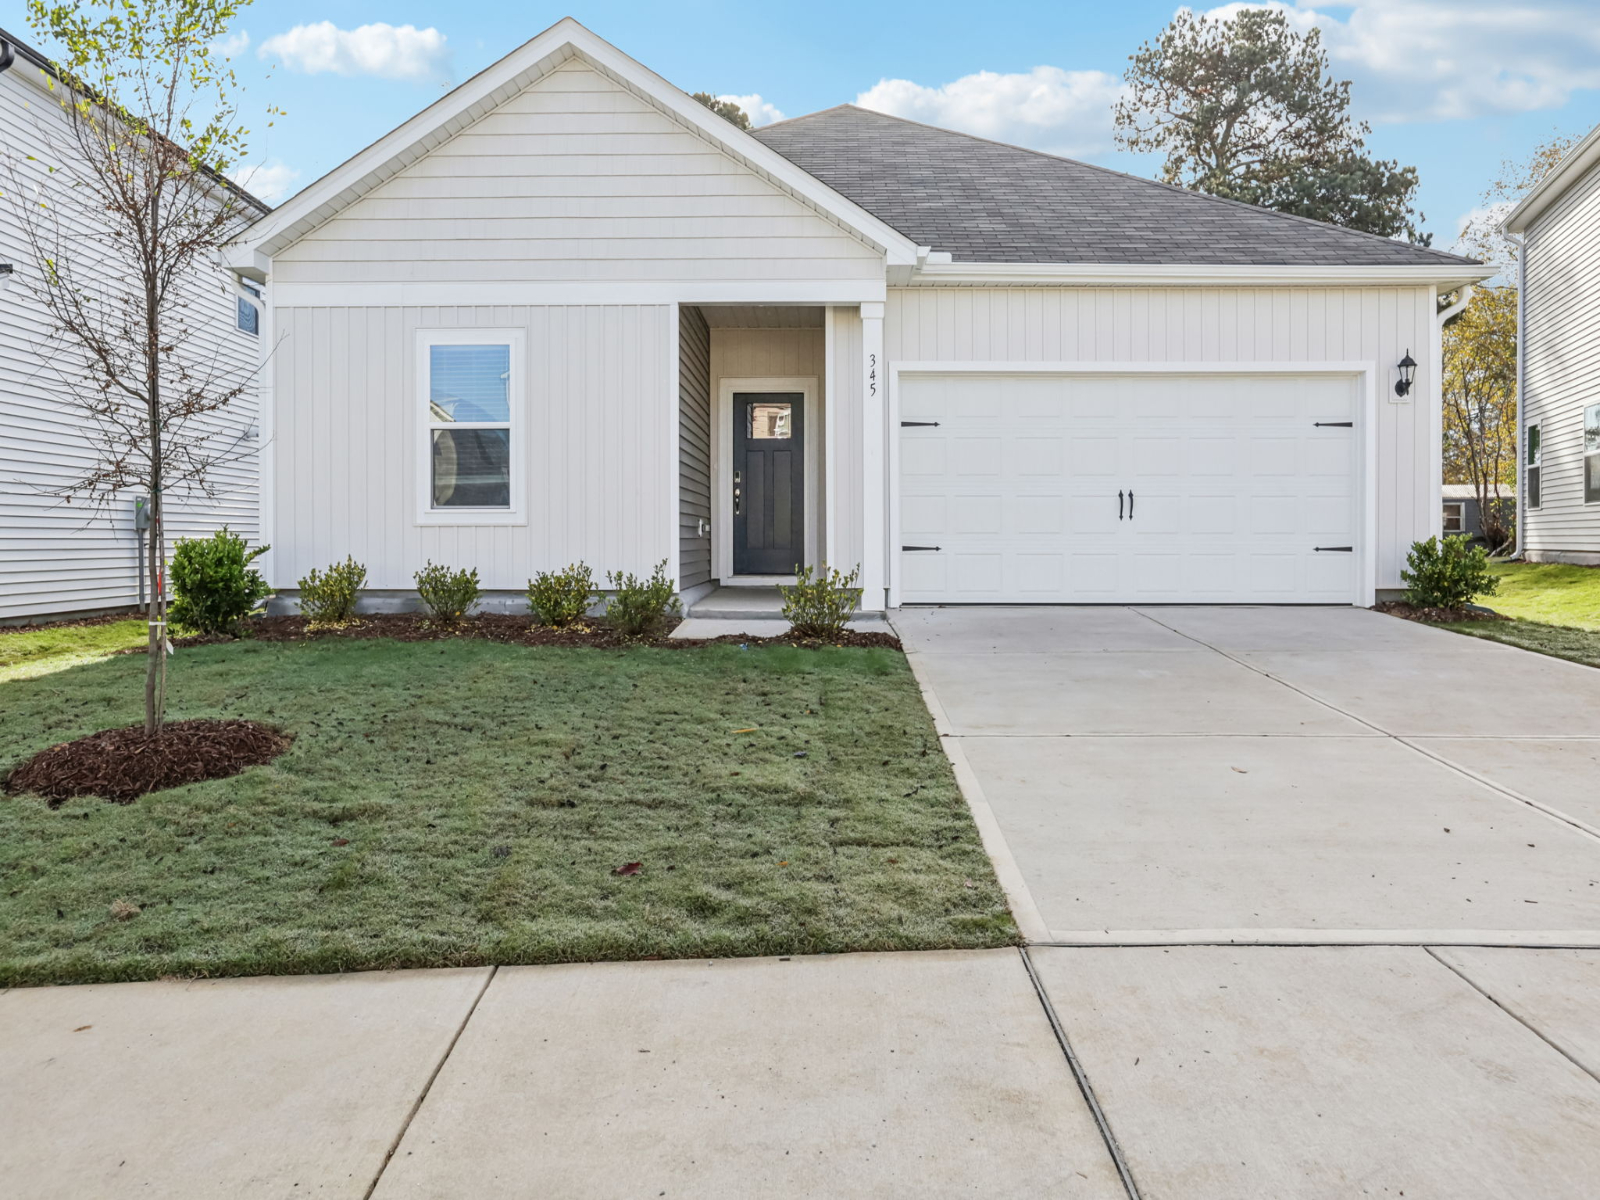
8,55
937,269
1445,316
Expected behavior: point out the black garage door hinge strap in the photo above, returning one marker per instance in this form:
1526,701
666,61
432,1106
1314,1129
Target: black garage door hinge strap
1334,424
1335,549
921,547
919,424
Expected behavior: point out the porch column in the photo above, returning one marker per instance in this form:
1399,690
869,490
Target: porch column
874,460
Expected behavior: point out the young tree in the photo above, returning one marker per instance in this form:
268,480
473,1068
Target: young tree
1480,404
1243,107
726,109
124,221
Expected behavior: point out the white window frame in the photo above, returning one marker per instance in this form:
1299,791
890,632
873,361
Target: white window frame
427,514
1460,509
1533,461
253,294
1583,441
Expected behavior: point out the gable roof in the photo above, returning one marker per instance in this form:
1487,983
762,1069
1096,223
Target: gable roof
494,85
1574,165
987,202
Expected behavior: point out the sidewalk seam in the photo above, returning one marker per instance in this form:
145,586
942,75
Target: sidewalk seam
422,1096
1528,1025
1081,1077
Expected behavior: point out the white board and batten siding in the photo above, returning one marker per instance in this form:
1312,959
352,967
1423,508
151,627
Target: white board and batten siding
60,557
1561,346
1274,328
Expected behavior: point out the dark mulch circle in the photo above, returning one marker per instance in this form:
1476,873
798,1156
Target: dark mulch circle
507,627
124,764
1412,612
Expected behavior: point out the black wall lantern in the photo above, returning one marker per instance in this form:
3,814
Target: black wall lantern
1408,372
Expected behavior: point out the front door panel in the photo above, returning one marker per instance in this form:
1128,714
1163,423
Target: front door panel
768,483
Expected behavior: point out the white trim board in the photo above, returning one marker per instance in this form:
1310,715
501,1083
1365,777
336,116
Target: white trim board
722,463
1366,482
844,293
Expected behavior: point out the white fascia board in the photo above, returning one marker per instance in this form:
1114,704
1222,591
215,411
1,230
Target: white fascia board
564,40
1160,275
1577,162
842,293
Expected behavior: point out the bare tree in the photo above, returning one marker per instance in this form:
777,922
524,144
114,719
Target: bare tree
124,218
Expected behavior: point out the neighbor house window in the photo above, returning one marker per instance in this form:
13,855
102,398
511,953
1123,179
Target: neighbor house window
1453,516
1591,454
248,311
469,392
1535,460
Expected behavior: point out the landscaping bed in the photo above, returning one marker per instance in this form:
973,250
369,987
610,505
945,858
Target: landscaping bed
462,800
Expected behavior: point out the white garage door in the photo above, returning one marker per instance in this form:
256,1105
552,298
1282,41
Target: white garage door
1128,488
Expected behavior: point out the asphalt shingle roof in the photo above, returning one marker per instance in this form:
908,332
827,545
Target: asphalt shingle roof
985,201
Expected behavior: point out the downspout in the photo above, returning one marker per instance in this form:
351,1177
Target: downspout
1466,298
1521,244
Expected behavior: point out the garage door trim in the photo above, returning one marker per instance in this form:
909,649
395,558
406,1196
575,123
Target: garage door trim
1365,373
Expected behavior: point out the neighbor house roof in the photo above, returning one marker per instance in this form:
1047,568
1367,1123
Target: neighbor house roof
987,202
1469,491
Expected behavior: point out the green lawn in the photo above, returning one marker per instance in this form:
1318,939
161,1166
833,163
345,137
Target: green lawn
466,802
1551,593
33,652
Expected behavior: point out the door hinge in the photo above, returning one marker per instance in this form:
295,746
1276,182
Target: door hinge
918,424
1335,549
1334,424
921,547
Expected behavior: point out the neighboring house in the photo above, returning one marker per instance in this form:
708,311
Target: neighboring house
568,313
1559,280
1461,510
61,558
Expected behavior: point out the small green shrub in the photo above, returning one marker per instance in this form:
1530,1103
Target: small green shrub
329,598
640,605
214,588
559,598
448,594
820,601
1447,573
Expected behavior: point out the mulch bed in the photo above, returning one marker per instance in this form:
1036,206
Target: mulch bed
124,764
506,627
1411,612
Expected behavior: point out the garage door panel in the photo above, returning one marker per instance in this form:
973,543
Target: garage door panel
1233,488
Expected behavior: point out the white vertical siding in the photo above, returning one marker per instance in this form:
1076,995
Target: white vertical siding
58,557
1562,369
846,413
694,447
595,437
576,179
1372,325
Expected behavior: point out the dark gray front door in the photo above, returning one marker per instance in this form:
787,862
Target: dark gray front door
768,483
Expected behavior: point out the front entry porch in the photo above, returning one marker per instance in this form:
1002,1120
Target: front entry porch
754,611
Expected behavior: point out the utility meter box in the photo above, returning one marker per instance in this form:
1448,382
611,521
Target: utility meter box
141,513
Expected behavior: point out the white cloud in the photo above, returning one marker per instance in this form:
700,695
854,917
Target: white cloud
387,51
1430,60
1064,112
270,181
758,110
232,45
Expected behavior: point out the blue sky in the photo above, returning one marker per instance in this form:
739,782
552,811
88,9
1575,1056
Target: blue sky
1451,86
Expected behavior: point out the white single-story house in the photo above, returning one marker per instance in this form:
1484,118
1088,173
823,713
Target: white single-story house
1559,359
567,312
62,557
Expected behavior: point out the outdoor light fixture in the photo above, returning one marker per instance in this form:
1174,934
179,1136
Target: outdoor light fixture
6,271
1408,371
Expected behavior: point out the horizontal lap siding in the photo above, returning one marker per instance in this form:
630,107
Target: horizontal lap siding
1562,372
1376,325
576,179
58,556
694,447
595,439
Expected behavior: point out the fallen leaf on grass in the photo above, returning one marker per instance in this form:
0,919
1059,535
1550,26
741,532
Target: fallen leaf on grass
967,883
341,841
628,869
752,729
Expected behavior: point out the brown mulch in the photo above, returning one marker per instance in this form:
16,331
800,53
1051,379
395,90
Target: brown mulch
124,764
1411,612
520,630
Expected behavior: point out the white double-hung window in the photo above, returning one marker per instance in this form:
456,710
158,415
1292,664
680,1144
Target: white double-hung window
470,399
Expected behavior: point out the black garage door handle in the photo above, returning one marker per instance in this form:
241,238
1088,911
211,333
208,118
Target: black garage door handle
920,547
1335,549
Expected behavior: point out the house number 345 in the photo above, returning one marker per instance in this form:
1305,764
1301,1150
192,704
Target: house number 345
872,374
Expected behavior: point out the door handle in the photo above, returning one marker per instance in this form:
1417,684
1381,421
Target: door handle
1119,504
738,495
1130,504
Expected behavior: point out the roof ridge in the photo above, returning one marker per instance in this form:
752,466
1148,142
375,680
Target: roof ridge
1190,193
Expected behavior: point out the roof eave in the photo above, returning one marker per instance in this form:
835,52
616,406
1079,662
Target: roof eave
562,41
1443,274
1577,163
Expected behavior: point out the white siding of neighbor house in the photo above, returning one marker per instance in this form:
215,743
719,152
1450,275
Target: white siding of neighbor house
58,557
1561,345
576,179
598,397
1255,325
694,447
